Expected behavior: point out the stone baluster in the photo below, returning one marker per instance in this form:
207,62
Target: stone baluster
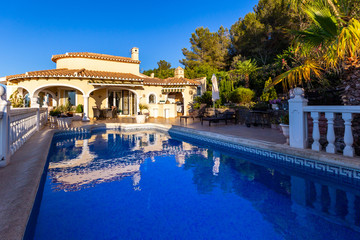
348,136
316,133
330,148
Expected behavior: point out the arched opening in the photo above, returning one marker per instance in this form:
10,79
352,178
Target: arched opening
57,95
152,98
20,97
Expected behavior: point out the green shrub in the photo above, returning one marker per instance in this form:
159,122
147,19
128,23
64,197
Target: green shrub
143,107
285,119
242,95
206,98
79,108
16,100
262,106
55,112
67,106
269,93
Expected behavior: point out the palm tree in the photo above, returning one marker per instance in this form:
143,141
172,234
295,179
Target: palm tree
330,43
245,69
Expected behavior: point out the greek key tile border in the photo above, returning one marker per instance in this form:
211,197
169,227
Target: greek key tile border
307,164
275,157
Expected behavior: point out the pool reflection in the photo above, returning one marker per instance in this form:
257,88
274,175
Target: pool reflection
84,162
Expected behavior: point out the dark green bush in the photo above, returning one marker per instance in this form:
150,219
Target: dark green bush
241,95
79,108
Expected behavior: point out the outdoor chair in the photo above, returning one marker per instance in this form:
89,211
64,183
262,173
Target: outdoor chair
109,113
114,112
225,116
96,112
196,113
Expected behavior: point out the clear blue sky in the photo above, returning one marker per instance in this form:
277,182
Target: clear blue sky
32,31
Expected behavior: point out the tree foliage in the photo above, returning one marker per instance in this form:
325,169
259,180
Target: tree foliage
209,48
16,99
163,70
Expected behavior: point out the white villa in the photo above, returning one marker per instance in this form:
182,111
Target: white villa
104,81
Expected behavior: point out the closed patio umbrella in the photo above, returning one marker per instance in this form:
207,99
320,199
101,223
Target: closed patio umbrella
215,89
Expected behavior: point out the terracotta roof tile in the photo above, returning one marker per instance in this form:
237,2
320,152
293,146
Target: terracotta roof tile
79,73
170,81
83,73
95,56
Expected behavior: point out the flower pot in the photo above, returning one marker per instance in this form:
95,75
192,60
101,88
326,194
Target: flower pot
285,131
140,118
77,116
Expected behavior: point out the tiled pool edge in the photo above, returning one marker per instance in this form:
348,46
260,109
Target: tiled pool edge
343,166
330,163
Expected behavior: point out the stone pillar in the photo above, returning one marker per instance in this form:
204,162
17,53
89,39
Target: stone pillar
38,119
297,119
86,109
46,100
4,129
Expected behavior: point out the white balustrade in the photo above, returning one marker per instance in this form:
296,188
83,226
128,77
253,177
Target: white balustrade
17,125
298,124
330,148
316,131
23,124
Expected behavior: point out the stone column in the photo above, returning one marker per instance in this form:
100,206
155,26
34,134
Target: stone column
34,102
4,129
46,100
297,119
86,109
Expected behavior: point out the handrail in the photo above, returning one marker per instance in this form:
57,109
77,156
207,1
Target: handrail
334,109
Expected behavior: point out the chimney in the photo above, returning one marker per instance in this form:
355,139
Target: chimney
135,53
179,72
152,75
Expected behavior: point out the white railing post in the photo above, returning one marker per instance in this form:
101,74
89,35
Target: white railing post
316,131
86,109
297,119
330,148
348,136
4,129
38,119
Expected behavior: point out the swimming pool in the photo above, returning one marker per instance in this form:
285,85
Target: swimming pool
149,185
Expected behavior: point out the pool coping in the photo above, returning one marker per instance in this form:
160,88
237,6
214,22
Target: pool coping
20,180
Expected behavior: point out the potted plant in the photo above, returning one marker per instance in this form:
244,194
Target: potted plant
285,126
140,118
275,104
274,123
53,116
78,112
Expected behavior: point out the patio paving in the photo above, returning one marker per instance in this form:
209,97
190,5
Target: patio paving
252,133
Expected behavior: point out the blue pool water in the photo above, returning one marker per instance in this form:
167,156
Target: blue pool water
147,185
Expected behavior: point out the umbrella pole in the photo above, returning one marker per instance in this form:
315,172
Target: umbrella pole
214,108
